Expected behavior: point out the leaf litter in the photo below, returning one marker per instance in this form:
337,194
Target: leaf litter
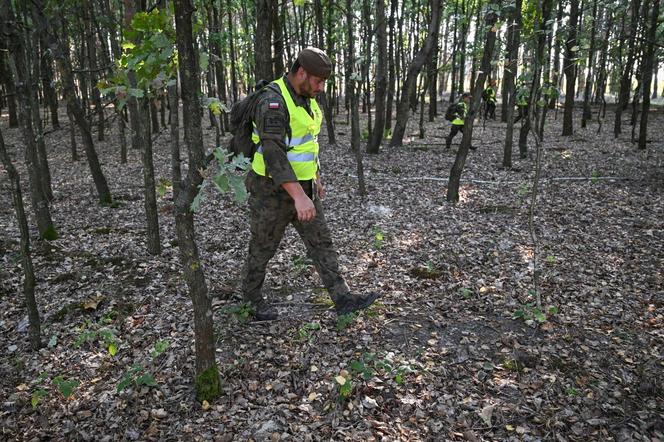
441,357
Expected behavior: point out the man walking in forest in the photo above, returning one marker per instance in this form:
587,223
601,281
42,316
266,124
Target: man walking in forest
489,97
457,114
285,186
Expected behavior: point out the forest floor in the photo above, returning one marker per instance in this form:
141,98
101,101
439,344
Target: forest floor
455,350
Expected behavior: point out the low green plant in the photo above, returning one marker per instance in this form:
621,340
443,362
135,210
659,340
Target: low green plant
163,187
530,312
64,386
136,376
378,237
241,312
344,385
159,348
594,177
571,391
305,333
300,263
466,292
550,259
344,321
106,336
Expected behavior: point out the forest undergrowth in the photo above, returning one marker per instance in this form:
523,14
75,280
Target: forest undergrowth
456,349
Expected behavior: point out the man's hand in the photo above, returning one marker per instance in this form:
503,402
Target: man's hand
303,204
305,209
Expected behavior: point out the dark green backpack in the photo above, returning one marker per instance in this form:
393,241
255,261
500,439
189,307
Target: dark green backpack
241,121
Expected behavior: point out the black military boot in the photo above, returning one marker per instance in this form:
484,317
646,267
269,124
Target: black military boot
264,312
351,303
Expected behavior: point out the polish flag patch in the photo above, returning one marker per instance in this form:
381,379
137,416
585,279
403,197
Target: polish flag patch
273,105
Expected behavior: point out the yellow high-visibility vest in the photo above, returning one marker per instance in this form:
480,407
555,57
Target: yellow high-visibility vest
303,143
459,120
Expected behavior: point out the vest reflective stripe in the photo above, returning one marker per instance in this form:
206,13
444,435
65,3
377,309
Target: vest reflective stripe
303,143
292,142
294,157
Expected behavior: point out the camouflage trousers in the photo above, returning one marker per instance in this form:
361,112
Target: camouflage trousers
272,210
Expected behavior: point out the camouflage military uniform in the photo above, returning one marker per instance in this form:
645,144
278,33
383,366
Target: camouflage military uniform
272,208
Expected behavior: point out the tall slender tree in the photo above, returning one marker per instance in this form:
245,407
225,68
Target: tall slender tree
571,51
207,381
381,78
414,69
485,67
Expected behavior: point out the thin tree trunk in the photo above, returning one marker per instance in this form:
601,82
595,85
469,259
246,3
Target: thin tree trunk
48,81
323,96
277,33
485,67
72,133
34,325
21,75
92,57
647,68
556,78
174,121
411,77
10,88
233,55
511,71
391,83
626,78
262,43
207,382
351,91
381,78
587,111
140,120
571,46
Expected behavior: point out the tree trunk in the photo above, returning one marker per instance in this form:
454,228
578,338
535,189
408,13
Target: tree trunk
323,96
139,112
233,55
262,41
587,111
277,33
626,78
655,70
571,50
556,78
381,78
511,70
600,87
391,83
59,49
10,88
351,91
411,77
647,68
21,75
34,326
93,64
485,67
48,81
72,133
207,382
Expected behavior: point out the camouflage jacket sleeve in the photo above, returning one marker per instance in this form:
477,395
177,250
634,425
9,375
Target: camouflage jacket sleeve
271,117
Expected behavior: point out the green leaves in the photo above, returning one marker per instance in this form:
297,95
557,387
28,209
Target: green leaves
228,178
66,387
